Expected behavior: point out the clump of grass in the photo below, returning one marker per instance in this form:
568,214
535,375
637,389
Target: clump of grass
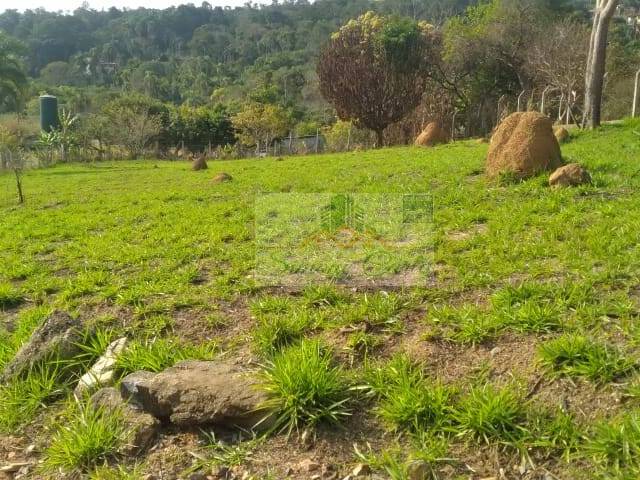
28,320
121,472
616,443
21,398
86,437
490,414
305,387
323,296
275,333
555,432
408,400
466,325
362,343
578,356
270,305
155,355
379,309
9,296
396,461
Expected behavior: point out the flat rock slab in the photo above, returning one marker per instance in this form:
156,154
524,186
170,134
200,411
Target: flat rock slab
197,393
59,336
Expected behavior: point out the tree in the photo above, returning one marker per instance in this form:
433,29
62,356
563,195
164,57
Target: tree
135,122
556,59
374,69
13,79
259,123
596,61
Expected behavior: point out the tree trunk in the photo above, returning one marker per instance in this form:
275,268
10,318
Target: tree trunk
596,61
379,139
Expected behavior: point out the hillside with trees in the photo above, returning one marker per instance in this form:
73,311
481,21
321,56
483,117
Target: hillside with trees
196,67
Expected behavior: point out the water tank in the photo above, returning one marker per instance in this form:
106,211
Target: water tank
48,113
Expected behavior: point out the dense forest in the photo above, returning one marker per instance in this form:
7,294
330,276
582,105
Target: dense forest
222,58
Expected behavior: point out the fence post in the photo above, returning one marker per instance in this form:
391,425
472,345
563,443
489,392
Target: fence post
317,139
560,107
349,136
544,94
635,94
520,98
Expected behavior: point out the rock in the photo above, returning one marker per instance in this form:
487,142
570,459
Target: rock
562,134
59,336
222,177
570,175
307,466
418,470
523,145
199,163
13,467
141,426
361,470
196,393
102,373
432,135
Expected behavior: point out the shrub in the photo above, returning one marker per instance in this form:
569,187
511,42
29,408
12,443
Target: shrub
305,387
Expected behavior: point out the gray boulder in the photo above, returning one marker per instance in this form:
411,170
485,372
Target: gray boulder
59,336
197,393
142,428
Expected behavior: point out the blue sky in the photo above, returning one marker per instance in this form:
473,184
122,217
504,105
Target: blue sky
70,5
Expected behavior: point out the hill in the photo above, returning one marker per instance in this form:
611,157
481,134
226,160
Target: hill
519,353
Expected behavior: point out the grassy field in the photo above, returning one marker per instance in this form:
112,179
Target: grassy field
517,353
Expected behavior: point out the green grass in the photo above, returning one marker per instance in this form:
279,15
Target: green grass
616,443
580,356
172,259
488,414
306,387
273,333
9,296
84,438
407,398
23,398
157,354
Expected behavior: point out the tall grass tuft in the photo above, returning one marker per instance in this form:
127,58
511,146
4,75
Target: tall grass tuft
305,387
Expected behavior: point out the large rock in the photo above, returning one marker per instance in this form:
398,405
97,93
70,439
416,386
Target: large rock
523,145
432,135
570,175
58,337
102,373
195,393
141,427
